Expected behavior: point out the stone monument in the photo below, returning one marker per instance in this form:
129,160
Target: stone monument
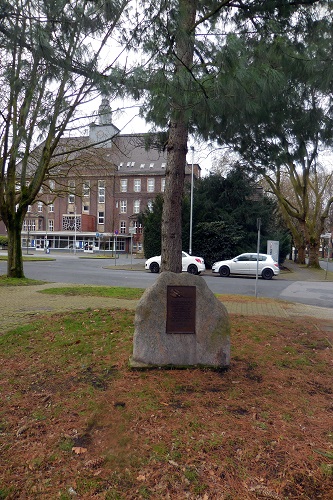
179,322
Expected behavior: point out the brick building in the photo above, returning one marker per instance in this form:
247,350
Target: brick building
98,185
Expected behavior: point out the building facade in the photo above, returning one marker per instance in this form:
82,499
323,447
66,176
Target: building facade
97,187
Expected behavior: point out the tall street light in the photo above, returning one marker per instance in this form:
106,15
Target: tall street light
191,209
74,230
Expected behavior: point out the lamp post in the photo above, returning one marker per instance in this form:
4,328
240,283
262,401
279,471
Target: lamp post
258,250
191,207
28,224
74,230
29,216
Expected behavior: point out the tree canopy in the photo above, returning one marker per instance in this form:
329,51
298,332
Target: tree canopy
247,74
282,80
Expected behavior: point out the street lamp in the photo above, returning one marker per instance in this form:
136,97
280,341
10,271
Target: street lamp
191,209
29,216
74,230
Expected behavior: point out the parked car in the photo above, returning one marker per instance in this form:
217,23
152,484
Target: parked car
246,263
191,264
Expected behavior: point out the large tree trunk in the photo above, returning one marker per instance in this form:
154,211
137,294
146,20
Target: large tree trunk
171,259
314,253
15,259
172,207
301,254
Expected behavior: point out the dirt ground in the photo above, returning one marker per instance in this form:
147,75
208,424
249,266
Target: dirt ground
77,422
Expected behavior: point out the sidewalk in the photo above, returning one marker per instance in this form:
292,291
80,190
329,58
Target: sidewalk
22,304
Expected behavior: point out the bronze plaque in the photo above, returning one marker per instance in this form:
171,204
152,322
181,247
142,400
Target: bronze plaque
181,301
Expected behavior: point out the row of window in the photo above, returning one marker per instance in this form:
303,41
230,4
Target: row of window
123,207
40,207
69,222
30,225
142,165
137,185
136,206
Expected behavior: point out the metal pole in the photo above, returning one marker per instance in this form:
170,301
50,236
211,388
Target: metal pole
131,249
28,235
191,209
258,248
74,230
46,225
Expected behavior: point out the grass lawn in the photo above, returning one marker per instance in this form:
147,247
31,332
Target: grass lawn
76,421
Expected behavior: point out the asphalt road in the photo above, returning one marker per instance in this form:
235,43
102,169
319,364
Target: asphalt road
69,268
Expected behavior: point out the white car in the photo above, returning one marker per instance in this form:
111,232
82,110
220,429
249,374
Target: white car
246,263
191,264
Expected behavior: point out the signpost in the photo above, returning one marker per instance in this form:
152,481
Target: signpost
98,236
115,260
132,230
258,250
326,236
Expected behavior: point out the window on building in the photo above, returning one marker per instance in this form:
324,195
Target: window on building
151,185
51,225
86,189
71,194
122,227
138,227
29,208
51,207
101,191
150,205
163,165
86,208
142,165
136,206
123,185
52,185
120,245
40,206
162,185
25,227
70,222
137,185
100,217
123,206
151,165
31,225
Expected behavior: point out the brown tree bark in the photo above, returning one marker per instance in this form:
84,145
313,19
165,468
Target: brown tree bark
171,259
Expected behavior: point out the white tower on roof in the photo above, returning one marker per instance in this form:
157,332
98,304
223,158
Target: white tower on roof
101,134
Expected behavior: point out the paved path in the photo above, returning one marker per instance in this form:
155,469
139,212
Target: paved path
22,304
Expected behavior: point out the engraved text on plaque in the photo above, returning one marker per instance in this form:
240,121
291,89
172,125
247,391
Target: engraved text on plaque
181,301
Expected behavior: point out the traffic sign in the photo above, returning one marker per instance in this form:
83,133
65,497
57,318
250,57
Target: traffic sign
97,235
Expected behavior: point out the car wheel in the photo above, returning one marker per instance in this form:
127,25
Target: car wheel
192,269
267,274
154,267
224,271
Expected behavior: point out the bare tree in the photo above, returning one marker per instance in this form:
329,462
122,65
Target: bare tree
52,55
